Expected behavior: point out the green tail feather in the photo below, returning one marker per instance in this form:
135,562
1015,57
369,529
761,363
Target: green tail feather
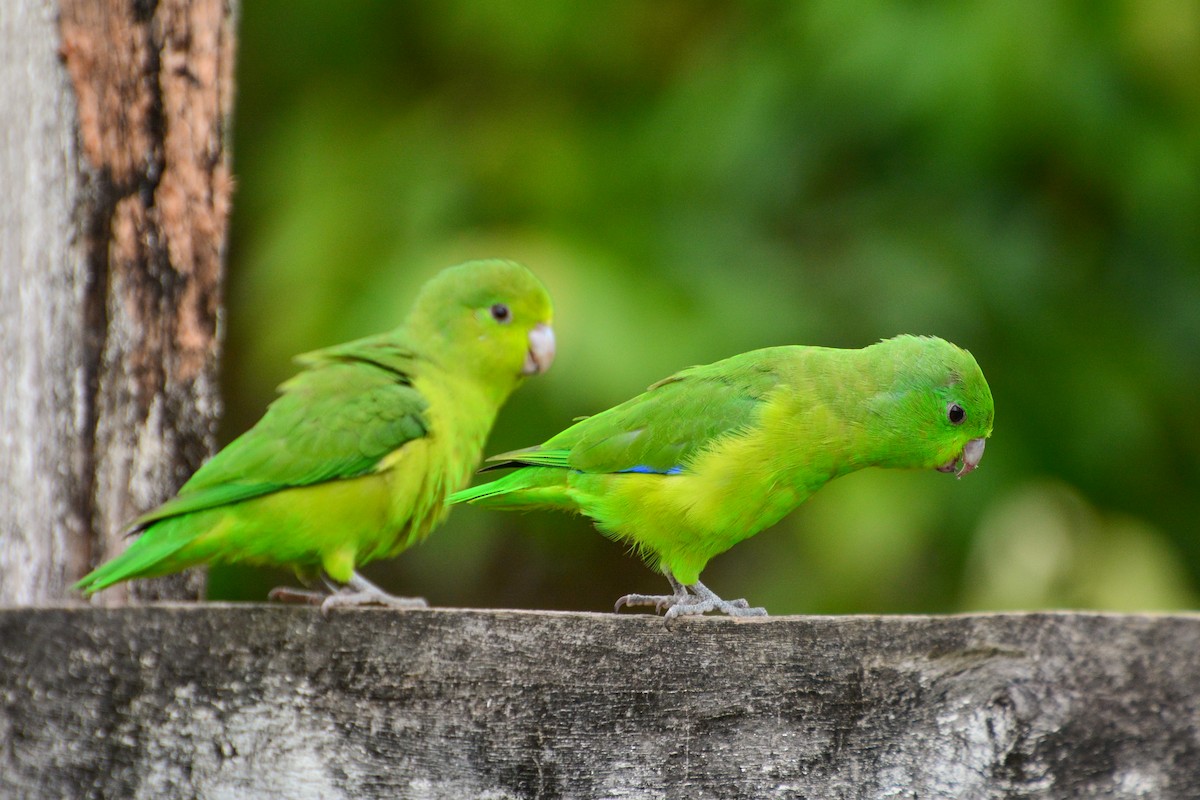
527,488
481,492
147,557
473,493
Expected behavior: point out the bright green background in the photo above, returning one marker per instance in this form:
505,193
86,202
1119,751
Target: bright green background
695,179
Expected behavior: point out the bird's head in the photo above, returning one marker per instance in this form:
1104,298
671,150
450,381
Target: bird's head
935,408
491,319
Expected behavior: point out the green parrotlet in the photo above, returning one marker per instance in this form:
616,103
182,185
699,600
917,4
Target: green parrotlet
715,453
355,459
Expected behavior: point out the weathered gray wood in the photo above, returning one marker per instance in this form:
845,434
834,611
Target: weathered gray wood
112,228
256,701
43,282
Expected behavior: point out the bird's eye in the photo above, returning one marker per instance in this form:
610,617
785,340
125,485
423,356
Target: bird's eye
955,413
501,313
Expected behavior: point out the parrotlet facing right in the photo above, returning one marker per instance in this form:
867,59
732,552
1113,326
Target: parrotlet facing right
355,459
713,454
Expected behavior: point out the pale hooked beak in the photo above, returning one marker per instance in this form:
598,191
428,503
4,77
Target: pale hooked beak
969,460
541,350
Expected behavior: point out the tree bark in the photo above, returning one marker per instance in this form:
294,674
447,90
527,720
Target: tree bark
260,701
111,245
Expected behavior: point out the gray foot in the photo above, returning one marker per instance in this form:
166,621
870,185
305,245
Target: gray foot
695,599
358,592
290,594
358,599
361,592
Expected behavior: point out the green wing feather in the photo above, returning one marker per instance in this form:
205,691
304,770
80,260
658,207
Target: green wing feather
353,406
661,429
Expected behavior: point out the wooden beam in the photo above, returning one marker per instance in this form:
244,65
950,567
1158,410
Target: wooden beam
172,701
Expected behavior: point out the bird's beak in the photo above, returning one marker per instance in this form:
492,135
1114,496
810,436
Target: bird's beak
969,460
541,350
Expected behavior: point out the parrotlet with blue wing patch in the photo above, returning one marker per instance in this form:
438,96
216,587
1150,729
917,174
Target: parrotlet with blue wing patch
715,453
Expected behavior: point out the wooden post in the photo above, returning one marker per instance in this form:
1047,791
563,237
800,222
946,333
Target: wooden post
112,233
257,701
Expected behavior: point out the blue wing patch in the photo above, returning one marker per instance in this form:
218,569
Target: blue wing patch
645,470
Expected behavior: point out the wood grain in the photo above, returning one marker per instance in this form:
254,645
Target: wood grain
112,237
260,701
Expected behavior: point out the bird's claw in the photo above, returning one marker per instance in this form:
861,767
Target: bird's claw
355,594
698,607
370,598
290,594
659,601
694,600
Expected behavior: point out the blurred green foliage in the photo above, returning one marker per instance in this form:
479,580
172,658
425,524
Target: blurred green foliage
695,179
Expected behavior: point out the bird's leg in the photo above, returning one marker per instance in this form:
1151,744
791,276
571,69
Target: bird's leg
359,591
694,599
